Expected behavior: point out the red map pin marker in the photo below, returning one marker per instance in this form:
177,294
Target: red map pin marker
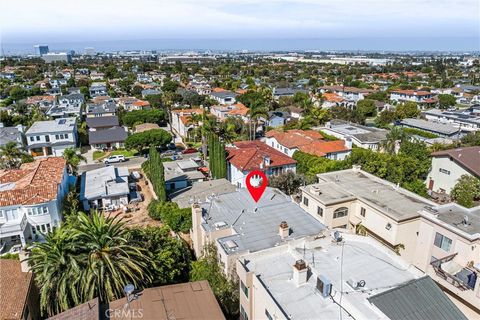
256,182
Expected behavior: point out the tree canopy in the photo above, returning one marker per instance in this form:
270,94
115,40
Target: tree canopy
143,116
149,138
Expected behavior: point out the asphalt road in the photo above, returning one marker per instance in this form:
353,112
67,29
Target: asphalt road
131,163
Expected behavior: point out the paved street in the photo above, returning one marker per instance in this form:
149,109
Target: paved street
131,163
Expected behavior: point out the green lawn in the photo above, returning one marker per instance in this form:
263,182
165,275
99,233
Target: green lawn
99,155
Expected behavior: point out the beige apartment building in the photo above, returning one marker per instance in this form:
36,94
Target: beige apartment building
442,241
349,277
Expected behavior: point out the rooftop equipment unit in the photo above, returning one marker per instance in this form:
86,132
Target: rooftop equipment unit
324,286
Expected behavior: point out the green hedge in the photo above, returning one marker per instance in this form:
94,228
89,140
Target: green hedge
170,214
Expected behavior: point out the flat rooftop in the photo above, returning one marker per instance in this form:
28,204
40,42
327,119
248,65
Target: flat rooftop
363,259
464,219
181,170
362,133
256,224
437,127
57,125
346,185
200,191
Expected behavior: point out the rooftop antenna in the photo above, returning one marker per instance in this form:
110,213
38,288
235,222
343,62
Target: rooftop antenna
313,258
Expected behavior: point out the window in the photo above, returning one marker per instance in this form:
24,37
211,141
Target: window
244,288
305,201
38,138
444,171
45,209
1,214
32,139
57,137
269,316
340,212
48,227
34,231
66,136
442,242
243,314
320,211
30,211
362,211
43,228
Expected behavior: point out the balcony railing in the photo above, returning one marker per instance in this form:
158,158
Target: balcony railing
17,227
461,277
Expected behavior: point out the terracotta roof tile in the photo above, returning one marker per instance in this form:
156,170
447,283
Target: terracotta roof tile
33,183
14,288
248,155
295,138
322,148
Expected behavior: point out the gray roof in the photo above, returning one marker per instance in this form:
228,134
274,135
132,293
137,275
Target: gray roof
114,134
101,122
200,191
182,170
10,134
454,215
435,127
104,182
73,96
107,107
224,94
287,91
418,299
346,185
52,126
256,224
363,134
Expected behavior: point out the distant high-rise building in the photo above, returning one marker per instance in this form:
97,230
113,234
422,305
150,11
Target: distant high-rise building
90,51
54,57
41,49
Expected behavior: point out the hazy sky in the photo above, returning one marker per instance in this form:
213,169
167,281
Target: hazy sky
25,21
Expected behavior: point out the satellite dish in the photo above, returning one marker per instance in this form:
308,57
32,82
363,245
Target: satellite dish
337,236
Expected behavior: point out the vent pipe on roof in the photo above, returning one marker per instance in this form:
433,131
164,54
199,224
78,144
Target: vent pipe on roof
300,272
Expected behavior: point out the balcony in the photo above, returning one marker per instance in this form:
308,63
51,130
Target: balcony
461,277
13,227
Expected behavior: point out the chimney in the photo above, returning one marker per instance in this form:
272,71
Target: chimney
283,230
300,272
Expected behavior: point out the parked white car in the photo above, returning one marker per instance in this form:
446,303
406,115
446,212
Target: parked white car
114,159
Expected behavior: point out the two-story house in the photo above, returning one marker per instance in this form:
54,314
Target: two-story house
52,137
237,110
182,122
223,96
31,200
246,156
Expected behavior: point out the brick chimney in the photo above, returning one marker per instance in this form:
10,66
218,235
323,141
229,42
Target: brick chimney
283,230
300,272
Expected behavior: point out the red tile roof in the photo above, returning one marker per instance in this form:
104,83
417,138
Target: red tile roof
413,92
218,90
332,97
248,155
322,148
33,183
141,103
188,111
38,99
14,288
294,138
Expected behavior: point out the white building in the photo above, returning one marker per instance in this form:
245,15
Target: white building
31,200
449,165
51,138
57,57
182,122
323,278
358,135
412,95
466,120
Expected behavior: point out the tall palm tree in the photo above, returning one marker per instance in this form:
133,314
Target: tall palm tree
86,258
11,156
111,262
395,136
73,159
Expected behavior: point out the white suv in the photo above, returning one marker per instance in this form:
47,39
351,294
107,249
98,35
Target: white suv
114,159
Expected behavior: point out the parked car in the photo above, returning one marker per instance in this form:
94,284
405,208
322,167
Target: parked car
114,159
189,150
168,153
136,175
172,146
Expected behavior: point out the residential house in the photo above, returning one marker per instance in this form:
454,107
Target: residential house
182,122
101,110
237,110
31,200
236,224
286,92
19,295
336,277
189,301
348,93
71,99
12,134
107,138
69,106
246,156
200,191
102,123
52,137
223,96
44,102
105,187
98,89
449,165
308,141
441,129
277,119
331,99
295,112
406,224
465,120
423,98
181,174
150,92
360,136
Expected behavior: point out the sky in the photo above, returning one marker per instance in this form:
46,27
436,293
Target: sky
453,24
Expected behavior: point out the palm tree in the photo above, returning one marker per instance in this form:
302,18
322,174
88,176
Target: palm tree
11,156
86,258
73,159
110,261
393,138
